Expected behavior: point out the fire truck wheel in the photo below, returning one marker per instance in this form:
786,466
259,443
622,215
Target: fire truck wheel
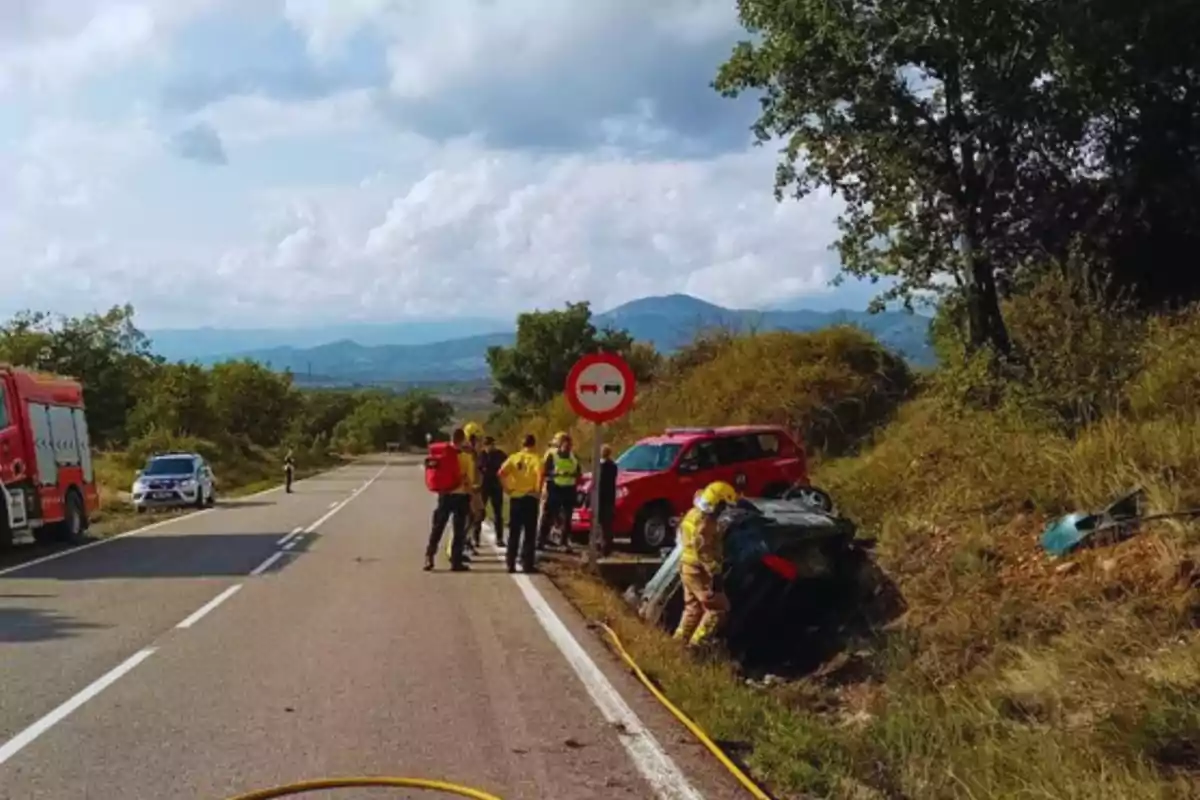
74,524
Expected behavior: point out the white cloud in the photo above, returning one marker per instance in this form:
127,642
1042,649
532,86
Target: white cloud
339,206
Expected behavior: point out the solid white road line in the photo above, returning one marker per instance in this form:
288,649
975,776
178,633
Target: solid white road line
25,737
209,606
136,531
264,566
296,530
655,765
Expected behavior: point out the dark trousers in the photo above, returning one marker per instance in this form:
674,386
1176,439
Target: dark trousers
287,477
453,508
560,502
522,531
493,495
606,528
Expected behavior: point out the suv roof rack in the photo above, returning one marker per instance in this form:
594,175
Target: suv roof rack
685,431
172,453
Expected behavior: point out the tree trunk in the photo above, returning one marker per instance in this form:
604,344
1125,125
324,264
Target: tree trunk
985,323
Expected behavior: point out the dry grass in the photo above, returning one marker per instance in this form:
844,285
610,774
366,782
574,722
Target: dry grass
1010,675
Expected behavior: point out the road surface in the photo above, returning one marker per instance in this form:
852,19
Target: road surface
280,638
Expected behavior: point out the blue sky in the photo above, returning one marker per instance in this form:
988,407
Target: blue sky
281,162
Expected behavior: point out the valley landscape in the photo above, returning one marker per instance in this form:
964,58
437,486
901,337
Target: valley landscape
431,354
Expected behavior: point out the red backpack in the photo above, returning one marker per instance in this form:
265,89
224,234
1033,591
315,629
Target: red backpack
442,473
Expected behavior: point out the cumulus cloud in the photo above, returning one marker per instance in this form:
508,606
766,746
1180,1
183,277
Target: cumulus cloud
200,143
397,159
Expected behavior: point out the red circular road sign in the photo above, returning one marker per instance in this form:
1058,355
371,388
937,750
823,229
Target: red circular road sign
600,387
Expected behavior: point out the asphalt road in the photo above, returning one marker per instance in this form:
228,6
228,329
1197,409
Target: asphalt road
282,638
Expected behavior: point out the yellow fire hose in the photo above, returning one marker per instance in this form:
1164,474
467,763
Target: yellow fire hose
745,780
324,784
463,791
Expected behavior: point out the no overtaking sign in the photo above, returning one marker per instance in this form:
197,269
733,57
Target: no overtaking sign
600,387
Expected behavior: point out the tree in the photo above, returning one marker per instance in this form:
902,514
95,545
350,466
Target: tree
105,352
253,402
177,400
535,368
934,121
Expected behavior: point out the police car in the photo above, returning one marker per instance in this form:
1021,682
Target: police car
171,480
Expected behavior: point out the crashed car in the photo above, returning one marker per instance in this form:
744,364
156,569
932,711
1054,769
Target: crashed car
772,546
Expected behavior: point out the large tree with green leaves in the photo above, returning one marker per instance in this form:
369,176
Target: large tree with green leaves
932,119
106,352
535,368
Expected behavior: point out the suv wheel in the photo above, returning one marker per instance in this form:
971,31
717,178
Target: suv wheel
652,530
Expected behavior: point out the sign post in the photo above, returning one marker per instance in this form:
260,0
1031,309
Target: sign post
600,388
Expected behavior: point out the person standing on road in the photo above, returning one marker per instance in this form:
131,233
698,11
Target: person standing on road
493,492
454,506
608,497
705,605
289,468
562,471
521,476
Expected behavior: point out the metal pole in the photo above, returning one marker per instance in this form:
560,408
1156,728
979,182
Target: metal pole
593,552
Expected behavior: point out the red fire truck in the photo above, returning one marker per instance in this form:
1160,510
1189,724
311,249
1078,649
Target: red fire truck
46,473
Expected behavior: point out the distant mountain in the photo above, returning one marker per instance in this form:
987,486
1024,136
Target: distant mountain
209,344
669,322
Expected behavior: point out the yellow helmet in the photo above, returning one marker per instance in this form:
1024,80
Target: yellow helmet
716,495
473,429
558,437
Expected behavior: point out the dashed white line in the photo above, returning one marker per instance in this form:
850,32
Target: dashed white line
25,737
296,530
264,566
209,606
292,539
655,765
338,506
137,531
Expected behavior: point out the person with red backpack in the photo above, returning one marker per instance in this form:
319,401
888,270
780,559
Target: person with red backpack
450,472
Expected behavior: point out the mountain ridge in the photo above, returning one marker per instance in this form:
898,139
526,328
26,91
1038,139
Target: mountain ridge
668,322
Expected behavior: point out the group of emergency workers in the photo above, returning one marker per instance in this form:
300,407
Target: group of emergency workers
541,492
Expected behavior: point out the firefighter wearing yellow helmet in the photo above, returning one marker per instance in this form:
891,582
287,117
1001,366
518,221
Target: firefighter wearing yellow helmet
705,606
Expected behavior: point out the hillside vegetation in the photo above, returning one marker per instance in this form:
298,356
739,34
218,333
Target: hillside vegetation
1010,675
239,415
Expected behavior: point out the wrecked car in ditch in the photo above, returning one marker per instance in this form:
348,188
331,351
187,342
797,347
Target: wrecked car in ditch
791,564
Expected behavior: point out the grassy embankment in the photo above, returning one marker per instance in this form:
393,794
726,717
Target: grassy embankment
1010,675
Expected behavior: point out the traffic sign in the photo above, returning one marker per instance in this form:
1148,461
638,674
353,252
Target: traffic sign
600,387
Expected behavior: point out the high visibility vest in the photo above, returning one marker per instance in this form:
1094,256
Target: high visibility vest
565,468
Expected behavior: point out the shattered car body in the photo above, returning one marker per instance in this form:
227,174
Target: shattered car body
771,547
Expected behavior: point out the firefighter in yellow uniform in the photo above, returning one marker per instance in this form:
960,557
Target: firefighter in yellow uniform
705,605
475,508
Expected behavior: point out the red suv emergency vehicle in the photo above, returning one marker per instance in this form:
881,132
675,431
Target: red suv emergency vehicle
658,477
46,474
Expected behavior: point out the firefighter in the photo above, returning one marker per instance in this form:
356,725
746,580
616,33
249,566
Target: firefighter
521,476
490,461
561,470
705,605
550,451
475,507
454,507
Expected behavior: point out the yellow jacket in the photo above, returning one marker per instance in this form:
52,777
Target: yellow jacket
470,474
703,541
521,474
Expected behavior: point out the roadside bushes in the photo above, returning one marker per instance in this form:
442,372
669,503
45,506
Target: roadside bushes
833,387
